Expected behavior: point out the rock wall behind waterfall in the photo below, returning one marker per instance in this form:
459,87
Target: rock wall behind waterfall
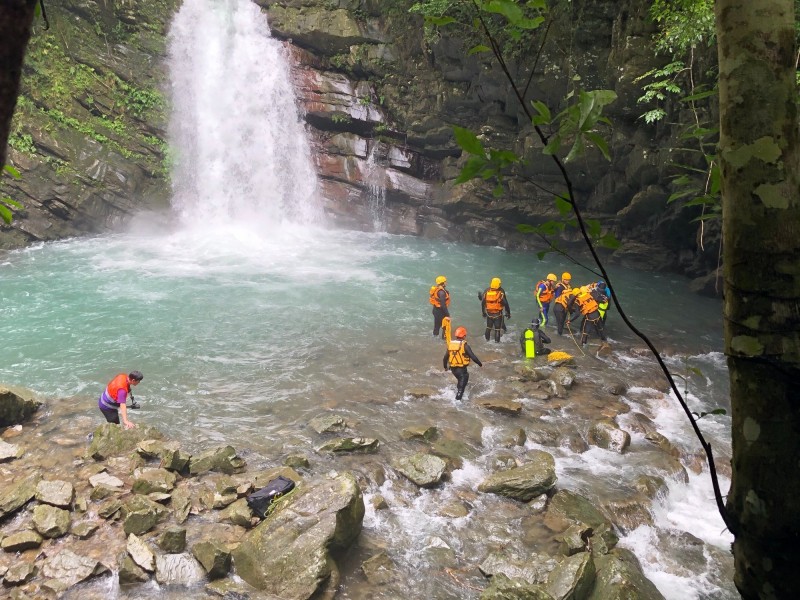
370,82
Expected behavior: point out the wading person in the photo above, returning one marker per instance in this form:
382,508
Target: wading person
457,359
114,399
590,311
544,293
494,303
440,299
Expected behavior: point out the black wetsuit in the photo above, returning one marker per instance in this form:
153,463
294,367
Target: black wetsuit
461,373
440,312
494,320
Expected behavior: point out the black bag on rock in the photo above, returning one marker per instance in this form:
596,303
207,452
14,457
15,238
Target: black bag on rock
260,500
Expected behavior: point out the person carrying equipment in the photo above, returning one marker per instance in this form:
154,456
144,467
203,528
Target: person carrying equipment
115,397
493,303
457,359
533,340
440,299
544,293
599,292
591,314
562,286
560,308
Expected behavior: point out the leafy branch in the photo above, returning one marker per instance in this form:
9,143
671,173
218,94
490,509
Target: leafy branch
6,203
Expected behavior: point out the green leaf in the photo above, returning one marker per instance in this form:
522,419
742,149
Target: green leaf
468,141
679,195
695,371
553,145
542,254
563,206
701,201
699,96
6,214
498,190
577,149
599,141
471,169
525,228
609,241
440,21
509,9
706,217
543,115
10,202
594,227
477,49
12,171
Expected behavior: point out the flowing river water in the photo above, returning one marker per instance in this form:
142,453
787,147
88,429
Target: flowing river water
249,317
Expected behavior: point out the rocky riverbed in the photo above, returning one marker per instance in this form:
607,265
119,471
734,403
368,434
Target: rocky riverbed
132,514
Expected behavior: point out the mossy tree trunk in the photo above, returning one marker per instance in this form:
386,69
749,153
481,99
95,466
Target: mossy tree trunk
761,237
16,17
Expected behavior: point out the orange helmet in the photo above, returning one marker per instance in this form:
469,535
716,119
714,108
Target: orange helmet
461,332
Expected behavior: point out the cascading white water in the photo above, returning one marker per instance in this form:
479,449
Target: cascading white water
376,188
241,154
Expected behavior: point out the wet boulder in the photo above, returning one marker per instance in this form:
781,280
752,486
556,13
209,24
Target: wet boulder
21,541
149,480
214,556
16,405
9,451
16,495
141,515
350,444
51,521
379,569
504,588
573,577
419,432
178,569
605,433
526,482
168,452
288,554
239,513
173,540
533,568
619,575
567,508
19,574
113,440
130,572
563,376
425,470
222,459
328,424
502,405
70,568
55,493
141,554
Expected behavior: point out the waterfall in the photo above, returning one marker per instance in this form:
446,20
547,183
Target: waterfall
239,149
376,188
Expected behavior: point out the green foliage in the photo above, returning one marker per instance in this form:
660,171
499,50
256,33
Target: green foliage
579,123
664,82
22,142
683,24
6,203
341,118
138,101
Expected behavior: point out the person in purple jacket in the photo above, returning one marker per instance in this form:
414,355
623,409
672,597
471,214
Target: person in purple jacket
115,397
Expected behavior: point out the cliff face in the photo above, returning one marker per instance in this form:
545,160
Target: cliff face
379,96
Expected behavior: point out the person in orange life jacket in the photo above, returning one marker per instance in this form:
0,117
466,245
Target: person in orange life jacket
544,294
562,286
591,314
440,299
599,292
115,396
560,308
457,358
493,302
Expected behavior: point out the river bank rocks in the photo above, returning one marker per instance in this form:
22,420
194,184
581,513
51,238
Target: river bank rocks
137,513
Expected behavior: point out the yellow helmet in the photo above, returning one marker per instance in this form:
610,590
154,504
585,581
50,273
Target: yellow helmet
566,276
585,289
552,277
441,279
495,283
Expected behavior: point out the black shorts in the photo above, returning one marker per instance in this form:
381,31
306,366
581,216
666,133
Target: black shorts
111,415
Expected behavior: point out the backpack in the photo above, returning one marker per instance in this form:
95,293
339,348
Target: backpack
260,500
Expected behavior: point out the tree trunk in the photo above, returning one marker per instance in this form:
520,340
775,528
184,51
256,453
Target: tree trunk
761,236
16,17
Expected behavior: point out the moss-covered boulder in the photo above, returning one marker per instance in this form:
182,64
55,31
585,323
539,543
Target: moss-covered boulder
16,405
113,440
289,553
526,482
619,575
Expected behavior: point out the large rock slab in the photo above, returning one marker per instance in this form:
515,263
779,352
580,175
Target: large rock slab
504,588
51,521
288,554
16,405
9,451
15,496
425,470
112,440
70,568
526,482
57,493
619,575
222,459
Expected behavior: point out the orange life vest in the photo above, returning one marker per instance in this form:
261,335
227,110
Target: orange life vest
586,303
547,294
565,287
458,357
564,298
493,300
120,382
434,293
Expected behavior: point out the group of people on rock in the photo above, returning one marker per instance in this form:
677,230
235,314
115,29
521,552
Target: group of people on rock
569,303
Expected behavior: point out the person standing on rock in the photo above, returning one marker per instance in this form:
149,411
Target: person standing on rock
457,359
440,299
114,399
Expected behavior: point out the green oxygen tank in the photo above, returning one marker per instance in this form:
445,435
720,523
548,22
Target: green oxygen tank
530,344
